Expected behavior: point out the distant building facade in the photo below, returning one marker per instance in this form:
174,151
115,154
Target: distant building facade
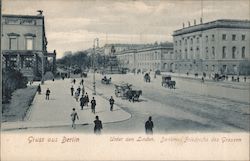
220,46
24,45
148,57
110,49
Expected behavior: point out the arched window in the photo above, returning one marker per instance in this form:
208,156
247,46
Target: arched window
224,52
213,53
206,52
243,52
234,52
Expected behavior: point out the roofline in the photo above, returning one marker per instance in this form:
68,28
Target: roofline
213,24
145,49
23,16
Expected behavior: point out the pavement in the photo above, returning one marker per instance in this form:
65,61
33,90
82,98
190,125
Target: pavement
56,111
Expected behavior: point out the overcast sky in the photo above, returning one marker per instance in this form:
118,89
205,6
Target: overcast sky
72,25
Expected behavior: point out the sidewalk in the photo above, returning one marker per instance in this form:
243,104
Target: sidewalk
57,110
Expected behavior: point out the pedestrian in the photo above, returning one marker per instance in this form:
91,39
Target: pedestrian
82,101
202,79
74,81
98,125
39,90
47,94
87,99
79,90
149,125
72,90
245,78
83,89
76,96
93,104
74,116
238,79
111,102
81,83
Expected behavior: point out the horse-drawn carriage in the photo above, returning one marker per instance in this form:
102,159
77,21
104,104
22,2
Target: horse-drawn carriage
147,77
105,80
167,82
218,77
84,74
125,91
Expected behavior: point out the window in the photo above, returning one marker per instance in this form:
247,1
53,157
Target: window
206,67
180,42
180,55
233,52
224,52
28,62
213,53
243,52
13,44
29,43
213,66
206,52
185,53
176,43
197,39
224,37
13,62
206,38
191,41
233,37
185,41
212,38
243,37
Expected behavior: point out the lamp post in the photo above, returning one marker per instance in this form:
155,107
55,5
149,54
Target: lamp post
93,65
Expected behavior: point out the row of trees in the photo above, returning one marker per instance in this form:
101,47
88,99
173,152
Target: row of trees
84,60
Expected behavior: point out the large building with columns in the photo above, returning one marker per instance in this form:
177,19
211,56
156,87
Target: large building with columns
24,45
148,57
220,46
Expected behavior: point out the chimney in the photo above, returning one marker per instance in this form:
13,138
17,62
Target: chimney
188,23
201,20
183,25
194,21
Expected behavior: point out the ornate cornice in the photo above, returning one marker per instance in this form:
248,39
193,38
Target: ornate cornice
230,24
30,34
13,34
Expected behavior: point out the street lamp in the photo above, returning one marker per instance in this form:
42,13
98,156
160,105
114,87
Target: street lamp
93,65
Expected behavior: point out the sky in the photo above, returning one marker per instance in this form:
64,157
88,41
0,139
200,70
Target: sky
72,25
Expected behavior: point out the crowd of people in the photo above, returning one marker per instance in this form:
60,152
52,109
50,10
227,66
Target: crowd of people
84,101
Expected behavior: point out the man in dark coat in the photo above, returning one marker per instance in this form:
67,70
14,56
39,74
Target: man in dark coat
81,83
98,125
87,99
82,101
39,90
111,102
74,81
93,104
72,90
47,94
149,125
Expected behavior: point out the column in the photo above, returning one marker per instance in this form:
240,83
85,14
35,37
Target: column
18,62
54,65
42,58
35,66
